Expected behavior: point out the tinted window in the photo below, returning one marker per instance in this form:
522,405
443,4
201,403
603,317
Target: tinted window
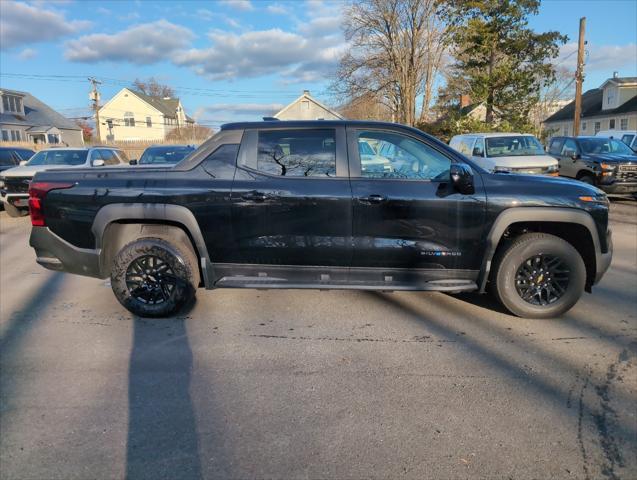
556,146
627,139
221,163
109,157
297,153
604,145
6,158
24,153
569,148
401,157
478,148
59,157
163,155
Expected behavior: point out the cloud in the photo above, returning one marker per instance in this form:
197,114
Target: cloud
277,8
252,109
23,24
600,57
140,44
27,54
243,5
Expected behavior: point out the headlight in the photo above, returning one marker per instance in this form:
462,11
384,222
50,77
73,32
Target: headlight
498,169
607,166
552,168
598,198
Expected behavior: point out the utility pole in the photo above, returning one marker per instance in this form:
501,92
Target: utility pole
95,98
579,76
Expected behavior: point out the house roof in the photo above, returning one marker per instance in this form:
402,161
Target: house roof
622,81
306,96
592,101
167,106
36,114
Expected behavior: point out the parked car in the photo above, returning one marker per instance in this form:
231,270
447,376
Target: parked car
163,155
506,152
292,205
629,137
14,182
607,163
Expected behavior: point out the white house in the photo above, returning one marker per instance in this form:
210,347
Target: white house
307,107
612,106
132,115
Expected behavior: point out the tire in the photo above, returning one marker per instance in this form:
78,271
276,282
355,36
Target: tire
170,284
586,178
512,270
15,212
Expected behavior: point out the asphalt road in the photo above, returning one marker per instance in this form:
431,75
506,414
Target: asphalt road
312,384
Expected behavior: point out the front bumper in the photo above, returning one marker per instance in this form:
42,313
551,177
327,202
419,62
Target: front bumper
55,253
618,187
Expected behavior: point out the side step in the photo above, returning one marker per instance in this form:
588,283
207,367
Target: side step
263,282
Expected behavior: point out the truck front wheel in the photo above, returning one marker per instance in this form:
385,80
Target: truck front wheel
538,276
154,278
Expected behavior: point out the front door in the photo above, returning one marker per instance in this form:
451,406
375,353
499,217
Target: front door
291,198
406,216
568,159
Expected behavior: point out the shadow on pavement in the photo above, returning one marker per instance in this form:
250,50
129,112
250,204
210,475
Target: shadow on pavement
162,429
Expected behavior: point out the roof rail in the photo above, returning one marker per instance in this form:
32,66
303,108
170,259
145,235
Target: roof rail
270,119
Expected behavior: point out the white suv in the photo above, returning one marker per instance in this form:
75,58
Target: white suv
506,152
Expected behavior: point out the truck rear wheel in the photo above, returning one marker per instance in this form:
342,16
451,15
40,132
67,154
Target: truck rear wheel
538,276
154,278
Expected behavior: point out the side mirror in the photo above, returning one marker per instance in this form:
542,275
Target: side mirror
575,156
23,163
132,162
98,163
461,178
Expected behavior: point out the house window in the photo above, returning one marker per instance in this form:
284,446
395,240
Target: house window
611,124
597,127
623,124
5,135
583,126
53,138
149,122
15,136
129,119
11,103
566,130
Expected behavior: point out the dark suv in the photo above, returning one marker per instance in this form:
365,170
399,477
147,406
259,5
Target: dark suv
607,163
317,205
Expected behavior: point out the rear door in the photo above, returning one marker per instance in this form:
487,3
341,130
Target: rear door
405,214
291,198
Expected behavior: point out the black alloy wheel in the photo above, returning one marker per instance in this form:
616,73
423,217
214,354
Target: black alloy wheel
150,280
542,279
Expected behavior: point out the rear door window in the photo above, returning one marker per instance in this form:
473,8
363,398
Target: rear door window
297,153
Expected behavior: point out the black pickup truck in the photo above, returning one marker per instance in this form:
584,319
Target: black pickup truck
316,205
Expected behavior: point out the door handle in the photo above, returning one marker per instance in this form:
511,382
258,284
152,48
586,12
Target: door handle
254,196
375,199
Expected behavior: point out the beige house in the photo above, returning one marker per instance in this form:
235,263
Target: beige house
612,106
24,118
307,107
132,115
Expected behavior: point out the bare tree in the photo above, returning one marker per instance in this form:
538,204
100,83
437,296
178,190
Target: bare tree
189,134
153,88
396,50
553,96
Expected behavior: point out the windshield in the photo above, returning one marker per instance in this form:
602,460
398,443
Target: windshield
164,154
513,146
58,157
592,146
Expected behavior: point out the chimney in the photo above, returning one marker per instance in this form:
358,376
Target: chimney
306,92
465,101
615,74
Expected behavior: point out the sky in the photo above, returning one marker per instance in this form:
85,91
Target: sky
234,60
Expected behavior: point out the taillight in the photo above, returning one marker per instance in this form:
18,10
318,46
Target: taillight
37,192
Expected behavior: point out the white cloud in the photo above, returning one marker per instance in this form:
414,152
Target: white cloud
243,5
27,54
23,24
140,44
129,16
277,8
600,57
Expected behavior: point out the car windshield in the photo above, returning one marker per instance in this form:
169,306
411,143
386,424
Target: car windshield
592,146
58,157
513,146
164,154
